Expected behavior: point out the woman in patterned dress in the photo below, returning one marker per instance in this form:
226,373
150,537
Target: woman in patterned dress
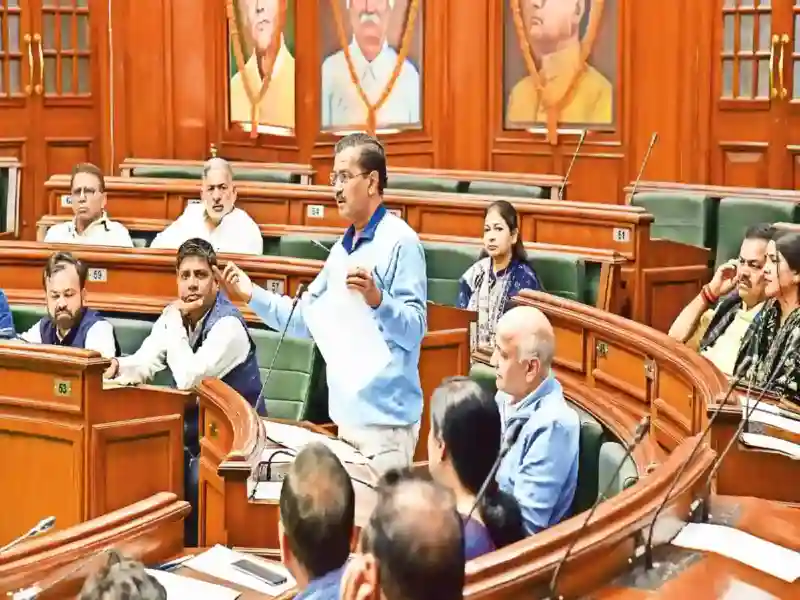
773,339
501,272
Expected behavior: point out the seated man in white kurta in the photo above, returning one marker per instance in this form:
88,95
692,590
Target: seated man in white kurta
216,219
374,62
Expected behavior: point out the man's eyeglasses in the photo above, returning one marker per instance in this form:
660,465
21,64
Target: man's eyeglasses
86,192
344,177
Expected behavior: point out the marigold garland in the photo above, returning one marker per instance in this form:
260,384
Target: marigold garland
587,43
405,44
255,100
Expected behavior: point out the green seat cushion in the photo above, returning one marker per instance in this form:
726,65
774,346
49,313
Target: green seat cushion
591,438
130,333
485,375
295,376
681,217
611,455
26,317
443,291
562,275
424,184
298,246
196,172
737,214
445,264
499,188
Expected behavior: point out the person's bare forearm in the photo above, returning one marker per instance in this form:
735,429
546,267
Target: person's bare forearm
686,324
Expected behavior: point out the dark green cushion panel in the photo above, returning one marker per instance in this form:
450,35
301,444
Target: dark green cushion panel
272,246
591,438
423,184
130,333
196,172
514,190
737,214
681,217
484,375
592,282
443,291
562,275
26,317
449,261
298,246
611,455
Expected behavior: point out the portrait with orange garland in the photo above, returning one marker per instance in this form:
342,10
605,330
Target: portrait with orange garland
371,64
560,63
261,91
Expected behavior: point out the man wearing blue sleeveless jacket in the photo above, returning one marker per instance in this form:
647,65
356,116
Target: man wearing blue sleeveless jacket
68,321
202,334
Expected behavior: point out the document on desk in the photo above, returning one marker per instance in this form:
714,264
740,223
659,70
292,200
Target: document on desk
296,438
347,335
186,588
748,549
217,561
773,444
775,419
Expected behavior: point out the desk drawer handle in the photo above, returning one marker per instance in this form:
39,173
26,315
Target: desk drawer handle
212,430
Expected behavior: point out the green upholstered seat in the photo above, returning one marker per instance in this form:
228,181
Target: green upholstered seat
299,246
737,214
681,217
130,333
591,438
422,183
499,188
562,275
296,377
611,455
485,376
445,264
26,317
196,172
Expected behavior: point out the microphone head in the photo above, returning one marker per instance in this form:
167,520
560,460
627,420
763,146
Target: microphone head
641,429
301,287
654,138
46,524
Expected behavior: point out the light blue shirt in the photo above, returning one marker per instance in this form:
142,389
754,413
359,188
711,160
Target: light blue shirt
7,330
391,250
541,468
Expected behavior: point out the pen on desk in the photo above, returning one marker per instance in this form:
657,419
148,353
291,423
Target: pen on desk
174,564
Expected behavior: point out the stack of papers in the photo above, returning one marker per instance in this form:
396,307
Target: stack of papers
186,588
773,444
217,562
296,438
748,549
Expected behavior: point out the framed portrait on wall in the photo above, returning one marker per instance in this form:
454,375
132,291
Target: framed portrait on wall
371,64
261,50
560,63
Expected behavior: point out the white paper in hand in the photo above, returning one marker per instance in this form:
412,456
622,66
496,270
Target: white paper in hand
347,335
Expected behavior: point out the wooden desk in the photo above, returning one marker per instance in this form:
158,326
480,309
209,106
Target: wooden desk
69,446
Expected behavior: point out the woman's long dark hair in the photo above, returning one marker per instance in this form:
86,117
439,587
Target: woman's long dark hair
787,243
510,216
465,417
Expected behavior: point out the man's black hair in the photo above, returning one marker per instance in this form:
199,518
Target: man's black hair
760,231
371,158
60,261
417,538
196,247
317,509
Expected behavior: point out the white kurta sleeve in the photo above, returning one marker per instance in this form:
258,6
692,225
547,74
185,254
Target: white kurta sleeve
148,360
100,338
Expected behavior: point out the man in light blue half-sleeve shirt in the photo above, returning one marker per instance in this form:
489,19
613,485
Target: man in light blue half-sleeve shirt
541,468
380,257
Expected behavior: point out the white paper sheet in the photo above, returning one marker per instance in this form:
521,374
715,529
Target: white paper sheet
217,561
768,408
748,549
775,420
265,490
767,442
296,438
186,588
347,335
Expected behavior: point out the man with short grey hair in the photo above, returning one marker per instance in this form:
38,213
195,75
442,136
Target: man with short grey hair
541,468
215,219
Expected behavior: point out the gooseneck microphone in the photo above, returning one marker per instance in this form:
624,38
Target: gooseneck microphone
638,436
260,401
42,526
653,140
571,164
701,502
510,437
740,373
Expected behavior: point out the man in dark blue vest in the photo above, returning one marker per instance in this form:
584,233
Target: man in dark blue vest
202,334
68,321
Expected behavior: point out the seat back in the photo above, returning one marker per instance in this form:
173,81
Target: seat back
423,183
681,217
299,246
196,172
737,214
611,455
295,379
485,376
562,275
26,317
445,264
500,188
591,438
130,333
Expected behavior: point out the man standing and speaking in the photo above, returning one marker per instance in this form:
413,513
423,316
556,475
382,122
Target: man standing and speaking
381,258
